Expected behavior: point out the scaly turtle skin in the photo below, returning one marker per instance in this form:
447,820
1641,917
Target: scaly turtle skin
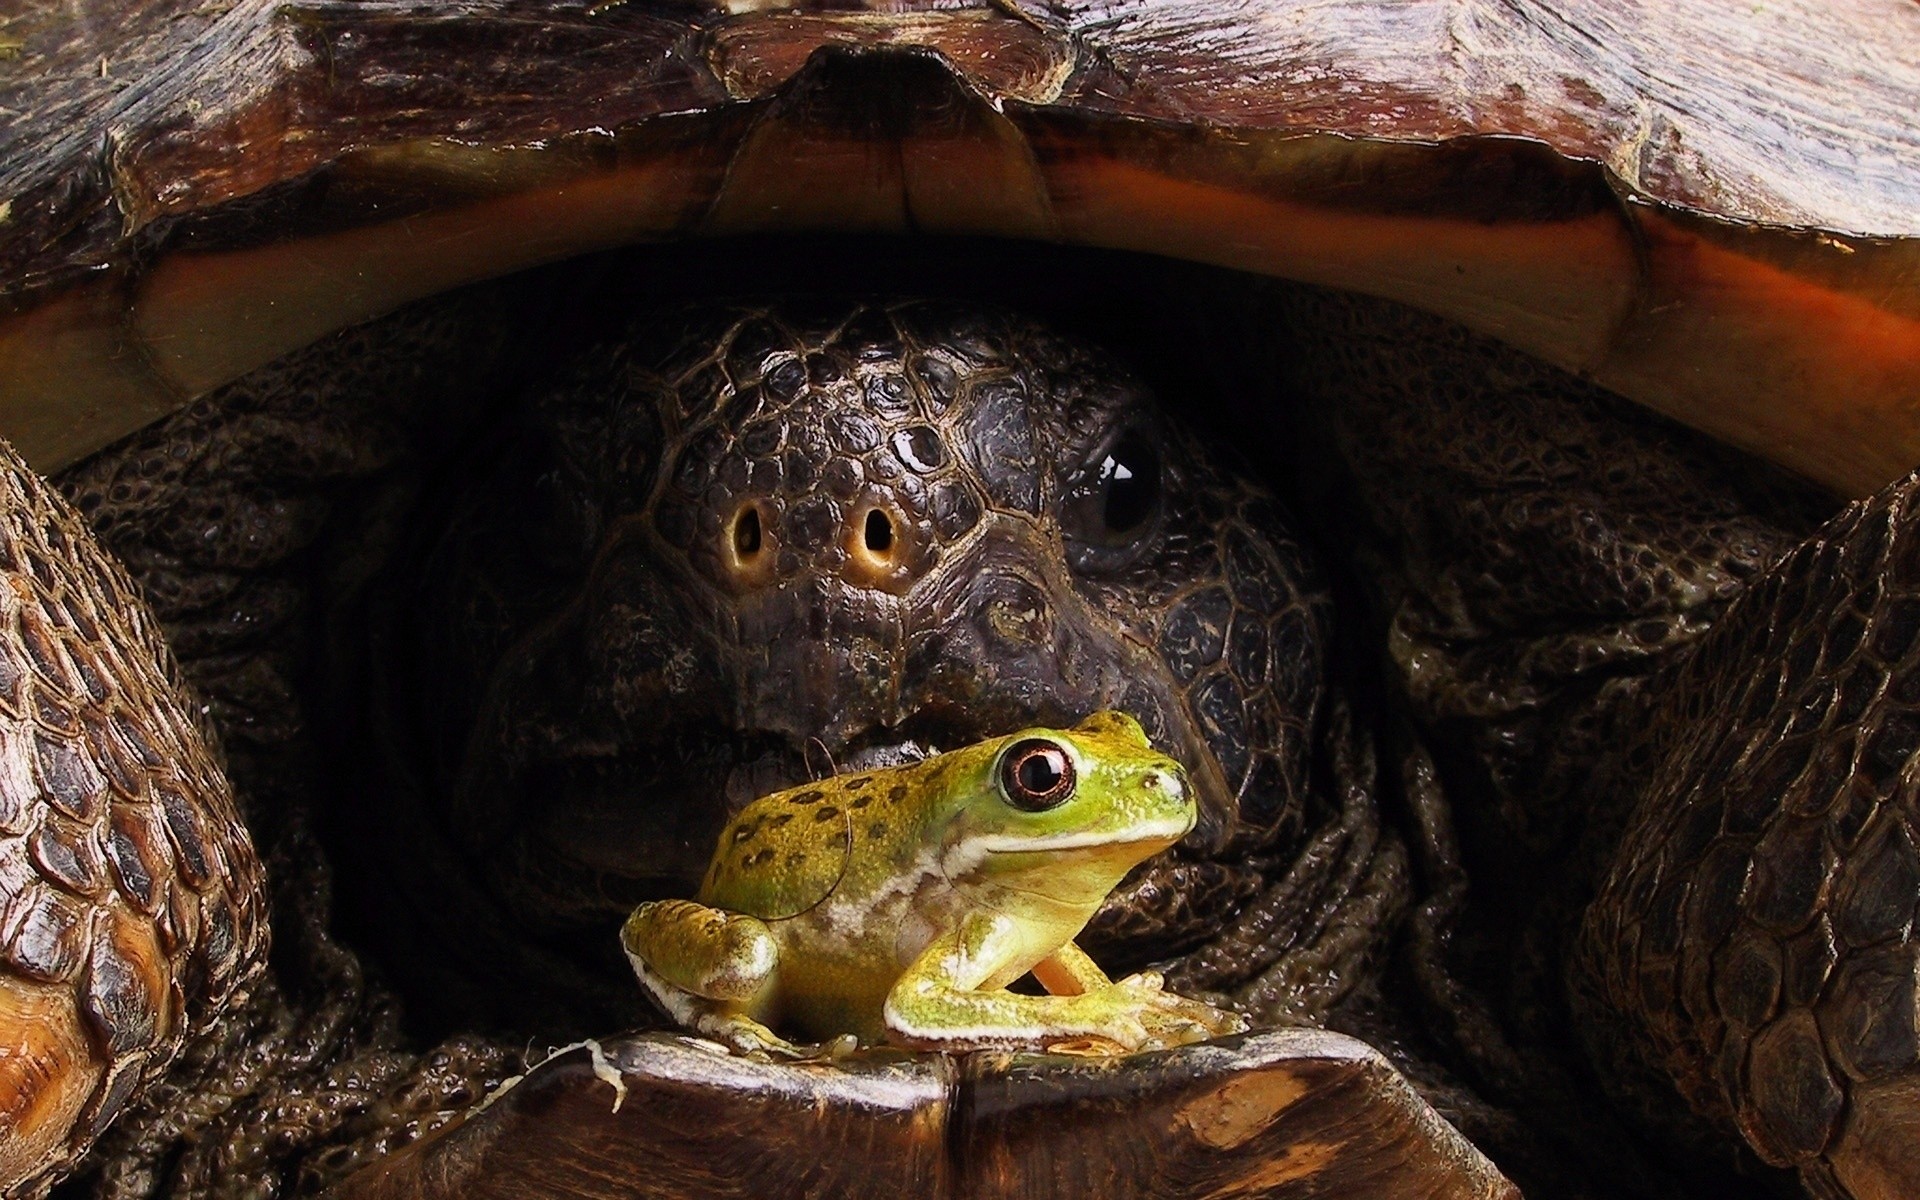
133,897
257,176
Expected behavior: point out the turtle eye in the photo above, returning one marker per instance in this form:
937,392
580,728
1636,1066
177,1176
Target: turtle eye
1129,485
1111,504
1036,775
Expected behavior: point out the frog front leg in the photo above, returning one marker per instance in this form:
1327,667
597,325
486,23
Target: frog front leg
1068,971
710,970
952,997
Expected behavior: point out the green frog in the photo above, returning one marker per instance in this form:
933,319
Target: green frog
896,905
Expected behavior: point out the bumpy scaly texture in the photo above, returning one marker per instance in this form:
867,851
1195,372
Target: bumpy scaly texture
227,510
1538,552
1539,547
134,909
1754,939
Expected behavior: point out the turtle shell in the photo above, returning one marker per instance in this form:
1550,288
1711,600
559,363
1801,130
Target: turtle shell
1706,208
1710,209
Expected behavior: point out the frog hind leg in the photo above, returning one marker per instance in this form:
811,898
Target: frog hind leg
708,969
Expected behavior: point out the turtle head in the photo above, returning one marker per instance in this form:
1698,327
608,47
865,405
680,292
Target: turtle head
891,513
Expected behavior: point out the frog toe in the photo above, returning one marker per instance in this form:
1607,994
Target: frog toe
1178,1021
1168,1033
828,1051
1218,1022
1130,1032
1144,981
747,1037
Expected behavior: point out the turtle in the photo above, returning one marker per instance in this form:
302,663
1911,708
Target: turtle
1605,790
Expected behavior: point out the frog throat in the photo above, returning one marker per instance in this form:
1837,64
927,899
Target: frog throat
1075,869
1164,832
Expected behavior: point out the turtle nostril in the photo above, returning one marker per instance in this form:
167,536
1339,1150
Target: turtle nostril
878,547
747,546
746,533
879,534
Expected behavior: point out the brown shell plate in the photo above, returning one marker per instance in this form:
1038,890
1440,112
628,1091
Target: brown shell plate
1295,1113
1709,208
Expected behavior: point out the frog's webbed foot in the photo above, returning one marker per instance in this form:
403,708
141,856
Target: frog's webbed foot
706,968
1172,1020
745,1036
1148,1016
936,1007
1145,1016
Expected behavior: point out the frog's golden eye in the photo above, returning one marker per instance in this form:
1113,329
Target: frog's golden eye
1036,774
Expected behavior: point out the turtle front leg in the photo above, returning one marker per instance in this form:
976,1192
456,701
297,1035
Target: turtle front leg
1755,940
131,906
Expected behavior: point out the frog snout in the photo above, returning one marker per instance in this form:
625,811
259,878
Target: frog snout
1167,791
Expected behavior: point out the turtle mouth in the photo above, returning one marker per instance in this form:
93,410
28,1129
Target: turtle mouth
605,849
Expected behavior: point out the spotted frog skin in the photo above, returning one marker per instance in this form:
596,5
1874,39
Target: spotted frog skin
897,905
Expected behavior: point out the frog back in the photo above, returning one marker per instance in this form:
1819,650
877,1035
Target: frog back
785,853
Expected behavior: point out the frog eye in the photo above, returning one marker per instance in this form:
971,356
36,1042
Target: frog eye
1036,774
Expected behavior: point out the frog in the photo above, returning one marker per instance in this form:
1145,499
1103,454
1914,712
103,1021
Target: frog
895,906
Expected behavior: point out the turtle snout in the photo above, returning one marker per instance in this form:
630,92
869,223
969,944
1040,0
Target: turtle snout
817,658
826,469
